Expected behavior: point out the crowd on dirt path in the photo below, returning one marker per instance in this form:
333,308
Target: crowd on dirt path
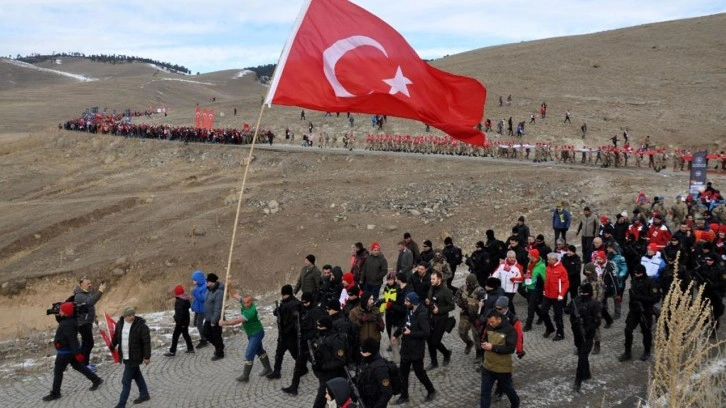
406,303
658,159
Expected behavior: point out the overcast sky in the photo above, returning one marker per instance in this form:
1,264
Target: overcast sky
212,35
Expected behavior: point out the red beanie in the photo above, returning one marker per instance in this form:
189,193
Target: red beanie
178,290
348,279
375,246
653,247
534,253
68,308
600,255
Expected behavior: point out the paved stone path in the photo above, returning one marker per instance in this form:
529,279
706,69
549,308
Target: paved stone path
543,378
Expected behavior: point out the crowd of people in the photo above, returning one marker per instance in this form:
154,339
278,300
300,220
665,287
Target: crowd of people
342,320
605,155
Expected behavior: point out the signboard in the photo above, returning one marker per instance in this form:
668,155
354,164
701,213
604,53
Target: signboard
699,169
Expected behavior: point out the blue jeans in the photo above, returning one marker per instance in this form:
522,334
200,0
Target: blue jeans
132,371
488,378
254,346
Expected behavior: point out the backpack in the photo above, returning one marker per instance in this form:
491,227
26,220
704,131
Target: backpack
332,353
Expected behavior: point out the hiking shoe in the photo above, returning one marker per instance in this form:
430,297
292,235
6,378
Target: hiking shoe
432,366
169,354
401,400
190,351
141,399
275,375
217,357
202,344
447,358
290,390
430,396
527,328
51,397
625,357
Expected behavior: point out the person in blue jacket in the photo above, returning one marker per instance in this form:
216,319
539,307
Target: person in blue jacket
561,221
199,293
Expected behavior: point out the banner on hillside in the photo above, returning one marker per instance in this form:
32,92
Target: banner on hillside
699,169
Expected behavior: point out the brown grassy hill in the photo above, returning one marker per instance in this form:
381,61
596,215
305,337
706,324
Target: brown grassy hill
126,210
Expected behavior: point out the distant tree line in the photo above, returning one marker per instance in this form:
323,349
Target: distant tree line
263,72
110,59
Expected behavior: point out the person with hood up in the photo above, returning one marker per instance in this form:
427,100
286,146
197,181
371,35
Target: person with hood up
338,391
367,319
374,380
181,321
199,293
213,314
360,255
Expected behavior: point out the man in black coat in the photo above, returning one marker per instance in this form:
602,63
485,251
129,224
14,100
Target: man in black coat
644,293
134,347
309,317
287,324
584,319
413,337
374,379
68,351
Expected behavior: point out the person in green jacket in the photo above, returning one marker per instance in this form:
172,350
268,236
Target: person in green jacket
533,285
255,333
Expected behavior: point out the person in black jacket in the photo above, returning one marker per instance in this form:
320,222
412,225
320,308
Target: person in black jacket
309,317
287,329
328,349
454,258
420,281
393,307
181,321
479,263
134,347
413,337
68,351
440,302
573,264
644,294
584,319
374,380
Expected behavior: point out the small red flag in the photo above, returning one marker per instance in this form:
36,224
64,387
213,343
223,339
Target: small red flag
197,119
111,326
341,58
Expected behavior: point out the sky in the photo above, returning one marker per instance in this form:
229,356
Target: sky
213,35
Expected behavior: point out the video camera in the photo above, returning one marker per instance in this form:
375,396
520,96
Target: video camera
55,308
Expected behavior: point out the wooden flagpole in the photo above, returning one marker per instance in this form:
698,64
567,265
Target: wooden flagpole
239,207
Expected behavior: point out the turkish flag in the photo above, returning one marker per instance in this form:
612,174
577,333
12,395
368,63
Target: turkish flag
197,119
341,58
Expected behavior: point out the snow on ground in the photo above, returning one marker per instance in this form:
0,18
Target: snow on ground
187,80
242,73
81,78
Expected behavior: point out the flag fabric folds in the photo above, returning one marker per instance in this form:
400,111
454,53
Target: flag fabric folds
341,58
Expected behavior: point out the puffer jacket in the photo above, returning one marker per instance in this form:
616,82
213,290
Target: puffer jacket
200,292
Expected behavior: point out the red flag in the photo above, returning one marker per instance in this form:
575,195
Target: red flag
341,58
197,119
111,326
211,119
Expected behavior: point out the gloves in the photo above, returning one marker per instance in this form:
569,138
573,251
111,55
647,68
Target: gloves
521,354
389,304
79,357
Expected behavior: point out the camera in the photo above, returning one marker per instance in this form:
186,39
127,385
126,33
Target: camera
55,309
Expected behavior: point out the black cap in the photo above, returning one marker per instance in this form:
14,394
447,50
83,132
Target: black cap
369,345
212,278
406,235
448,241
333,304
286,290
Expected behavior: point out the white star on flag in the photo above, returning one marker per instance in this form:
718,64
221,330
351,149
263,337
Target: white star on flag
398,83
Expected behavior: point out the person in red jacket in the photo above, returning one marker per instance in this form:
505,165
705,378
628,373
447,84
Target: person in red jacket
658,233
555,289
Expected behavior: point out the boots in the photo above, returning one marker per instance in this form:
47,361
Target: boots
625,356
596,348
245,377
267,370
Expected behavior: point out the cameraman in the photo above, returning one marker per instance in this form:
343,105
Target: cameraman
68,352
85,295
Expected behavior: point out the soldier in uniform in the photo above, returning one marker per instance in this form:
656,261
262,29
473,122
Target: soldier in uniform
287,329
328,352
597,294
585,320
373,380
311,313
467,298
644,294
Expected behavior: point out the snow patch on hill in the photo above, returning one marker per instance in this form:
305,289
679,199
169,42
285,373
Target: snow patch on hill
187,80
242,73
81,78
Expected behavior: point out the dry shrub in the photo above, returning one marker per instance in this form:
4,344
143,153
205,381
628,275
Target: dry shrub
689,366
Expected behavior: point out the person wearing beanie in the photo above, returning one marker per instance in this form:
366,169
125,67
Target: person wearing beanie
68,351
653,261
561,219
454,257
338,391
252,326
308,323
329,361
478,262
412,338
573,264
374,380
644,294
427,252
309,279
502,306
181,321
658,233
584,321
467,298
497,251
412,246
589,227
555,289
597,293
84,293
199,293
392,308
213,314
367,318
522,232
498,344
541,246
374,271
286,312
133,340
